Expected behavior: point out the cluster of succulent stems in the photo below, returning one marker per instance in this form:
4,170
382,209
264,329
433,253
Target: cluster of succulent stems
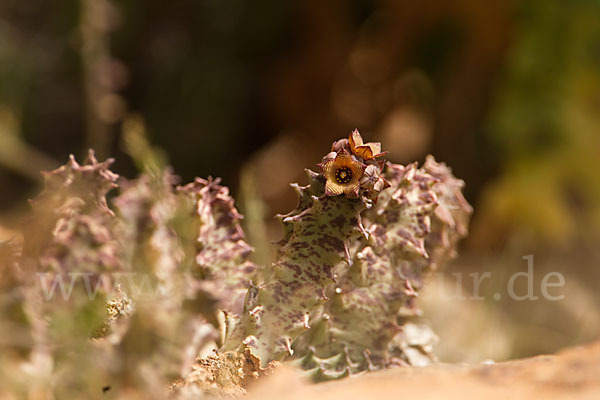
339,298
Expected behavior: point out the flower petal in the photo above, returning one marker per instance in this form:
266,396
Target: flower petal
340,145
375,147
327,168
351,190
355,139
364,152
332,188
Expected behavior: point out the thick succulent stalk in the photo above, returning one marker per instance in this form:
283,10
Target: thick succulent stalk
72,227
70,240
450,221
315,243
222,267
147,208
70,237
360,320
368,323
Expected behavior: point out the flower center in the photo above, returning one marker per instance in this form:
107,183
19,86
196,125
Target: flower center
343,175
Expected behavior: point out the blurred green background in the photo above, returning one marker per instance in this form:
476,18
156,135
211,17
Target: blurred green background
505,92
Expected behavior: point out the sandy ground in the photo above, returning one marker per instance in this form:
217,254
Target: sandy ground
570,374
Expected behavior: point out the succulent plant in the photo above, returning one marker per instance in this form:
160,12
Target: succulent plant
70,247
352,260
116,293
129,293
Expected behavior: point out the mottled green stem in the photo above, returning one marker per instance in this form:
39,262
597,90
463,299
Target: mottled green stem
316,239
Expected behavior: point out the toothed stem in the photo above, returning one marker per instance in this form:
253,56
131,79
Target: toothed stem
316,237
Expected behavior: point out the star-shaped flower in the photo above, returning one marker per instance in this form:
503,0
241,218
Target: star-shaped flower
343,173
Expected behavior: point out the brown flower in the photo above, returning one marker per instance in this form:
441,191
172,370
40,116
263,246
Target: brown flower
343,173
367,151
